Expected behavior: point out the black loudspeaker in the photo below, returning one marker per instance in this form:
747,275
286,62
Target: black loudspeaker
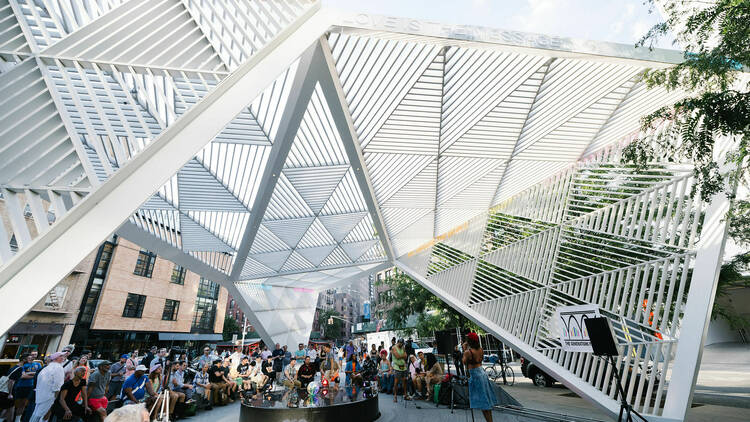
445,341
460,395
602,336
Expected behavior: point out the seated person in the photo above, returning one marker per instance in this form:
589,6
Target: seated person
177,382
153,397
385,373
416,374
353,372
217,381
231,385
135,387
257,379
289,376
267,369
434,374
243,374
369,369
202,386
306,373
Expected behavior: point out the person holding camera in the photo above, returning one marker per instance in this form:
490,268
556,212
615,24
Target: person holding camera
416,376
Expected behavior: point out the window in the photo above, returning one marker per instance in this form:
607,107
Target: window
208,289
171,307
134,306
178,275
56,297
144,267
205,306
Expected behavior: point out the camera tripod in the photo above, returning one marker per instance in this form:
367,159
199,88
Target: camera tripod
626,409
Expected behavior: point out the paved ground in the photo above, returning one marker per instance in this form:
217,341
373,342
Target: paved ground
722,394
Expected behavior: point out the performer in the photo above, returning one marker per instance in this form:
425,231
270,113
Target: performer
481,394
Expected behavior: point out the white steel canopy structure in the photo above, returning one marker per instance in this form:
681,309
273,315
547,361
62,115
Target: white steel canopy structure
280,148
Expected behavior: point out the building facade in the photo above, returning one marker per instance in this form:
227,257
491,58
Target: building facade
134,299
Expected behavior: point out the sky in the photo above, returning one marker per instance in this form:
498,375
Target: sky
623,21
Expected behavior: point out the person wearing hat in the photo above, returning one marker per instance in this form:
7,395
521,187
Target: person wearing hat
135,386
118,370
98,386
49,381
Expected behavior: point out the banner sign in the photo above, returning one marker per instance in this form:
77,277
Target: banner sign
572,329
366,311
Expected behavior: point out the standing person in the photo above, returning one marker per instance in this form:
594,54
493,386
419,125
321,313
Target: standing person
458,362
202,385
373,353
398,361
349,350
287,357
23,385
481,394
130,364
83,362
265,353
329,369
278,361
160,359
67,407
49,381
206,358
117,371
385,373
299,355
146,361
236,358
312,353
98,386
13,376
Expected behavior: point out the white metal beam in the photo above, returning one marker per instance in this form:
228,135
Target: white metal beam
336,99
303,86
41,265
579,386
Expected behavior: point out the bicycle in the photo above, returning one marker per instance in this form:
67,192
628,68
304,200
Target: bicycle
504,371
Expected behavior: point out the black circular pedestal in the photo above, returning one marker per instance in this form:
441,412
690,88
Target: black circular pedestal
325,406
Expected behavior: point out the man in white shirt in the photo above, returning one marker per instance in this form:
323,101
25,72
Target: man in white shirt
265,353
48,383
236,358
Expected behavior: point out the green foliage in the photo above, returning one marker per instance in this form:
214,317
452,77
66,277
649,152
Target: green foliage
330,331
716,38
231,327
407,297
732,276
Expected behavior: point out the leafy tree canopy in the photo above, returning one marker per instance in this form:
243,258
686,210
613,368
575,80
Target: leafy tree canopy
407,297
716,39
231,327
330,331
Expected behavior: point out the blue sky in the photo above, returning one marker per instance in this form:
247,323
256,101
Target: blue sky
623,21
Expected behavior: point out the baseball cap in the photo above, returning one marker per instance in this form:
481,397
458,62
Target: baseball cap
124,355
141,368
56,355
104,363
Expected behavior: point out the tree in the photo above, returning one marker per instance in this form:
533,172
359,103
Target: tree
406,297
330,331
231,327
716,40
732,276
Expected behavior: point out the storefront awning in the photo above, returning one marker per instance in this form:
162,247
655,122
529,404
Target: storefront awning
41,328
189,337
